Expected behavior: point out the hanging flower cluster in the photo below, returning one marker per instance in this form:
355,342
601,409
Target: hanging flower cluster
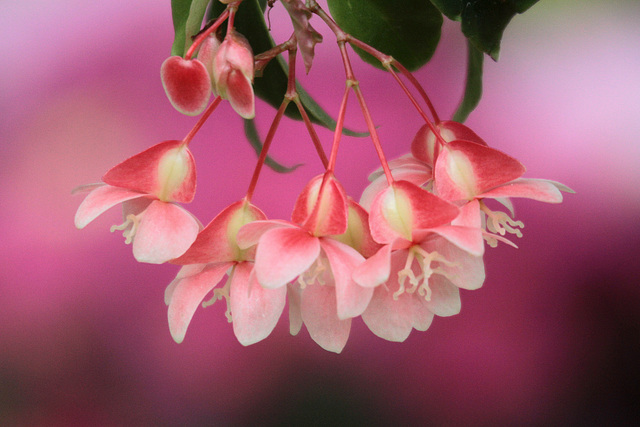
397,258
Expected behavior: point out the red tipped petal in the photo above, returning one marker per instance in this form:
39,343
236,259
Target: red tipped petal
165,170
358,235
536,189
465,169
99,200
217,242
187,295
165,232
375,270
283,254
418,175
240,94
321,207
468,239
186,83
318,308
352,299
254,309
251,233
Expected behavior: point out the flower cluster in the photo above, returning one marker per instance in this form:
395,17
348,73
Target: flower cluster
397,258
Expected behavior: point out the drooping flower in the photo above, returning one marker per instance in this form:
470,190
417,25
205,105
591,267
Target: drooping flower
467,171
148,185
324,296
430,249
233,70
187,84
253,310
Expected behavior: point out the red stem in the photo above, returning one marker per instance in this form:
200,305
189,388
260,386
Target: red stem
203,118
203,35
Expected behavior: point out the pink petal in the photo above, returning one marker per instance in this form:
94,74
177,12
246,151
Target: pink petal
468,239
187,295
388,318
319,314
465,169
142,172
321,208
358,235
254,309
217,242
294,294
375,270
422,316
463,269
165,232
186,83
240,94
445,297
352,299
250,234
185,271
469,215
536,189
283,254
99,200
418,175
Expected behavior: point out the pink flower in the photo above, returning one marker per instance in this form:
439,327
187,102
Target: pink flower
431,248
467,171
233,74
147,185
324,295
254,310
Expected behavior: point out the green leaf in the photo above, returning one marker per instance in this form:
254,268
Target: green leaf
483,21
272,85
187,20
251,132
473,87
408,30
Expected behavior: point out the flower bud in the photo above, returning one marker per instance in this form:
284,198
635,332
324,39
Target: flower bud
233,74
187,84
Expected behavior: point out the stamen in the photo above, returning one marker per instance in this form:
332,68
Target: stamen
130,226
420,282
501,223
314,274
221,293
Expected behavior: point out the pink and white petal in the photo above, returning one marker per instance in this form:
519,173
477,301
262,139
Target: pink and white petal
388,318
87,188
451,131
468,239
165,232
352,299
418,174
318,307
217,242
188,294
469,215
142,172
358,235
325,205
294,295
239,91
422,316
536,189
465,169
249,234
101,199
463,269
254,309
507,203
283,254
445,297
375,270
185,271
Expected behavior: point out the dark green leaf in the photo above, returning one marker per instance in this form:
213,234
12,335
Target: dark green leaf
408,30
473,87
187,20
272,85
251,132
483,21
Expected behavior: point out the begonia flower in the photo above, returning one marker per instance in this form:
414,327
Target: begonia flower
252,309
149,185
324,292
233,70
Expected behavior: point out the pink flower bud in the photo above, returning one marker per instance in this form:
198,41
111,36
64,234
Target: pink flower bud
233,74
187,84
206,54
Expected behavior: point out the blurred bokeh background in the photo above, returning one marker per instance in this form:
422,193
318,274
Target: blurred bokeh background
552,338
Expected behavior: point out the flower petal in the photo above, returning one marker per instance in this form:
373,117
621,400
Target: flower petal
99,200
254,309
318,308
185,271
167,167
463,269
321,207
250,234
536,189
388,318
283,254
240,94
352,299
375,270
187,295
165,232
294,295
445,296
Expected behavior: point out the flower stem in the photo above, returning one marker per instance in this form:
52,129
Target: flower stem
203,118
204,34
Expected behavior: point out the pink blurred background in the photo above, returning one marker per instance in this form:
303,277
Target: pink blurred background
553,336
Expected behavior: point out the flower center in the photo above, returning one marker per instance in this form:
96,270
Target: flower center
220,293
500,223
314,274
128,227
420,282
